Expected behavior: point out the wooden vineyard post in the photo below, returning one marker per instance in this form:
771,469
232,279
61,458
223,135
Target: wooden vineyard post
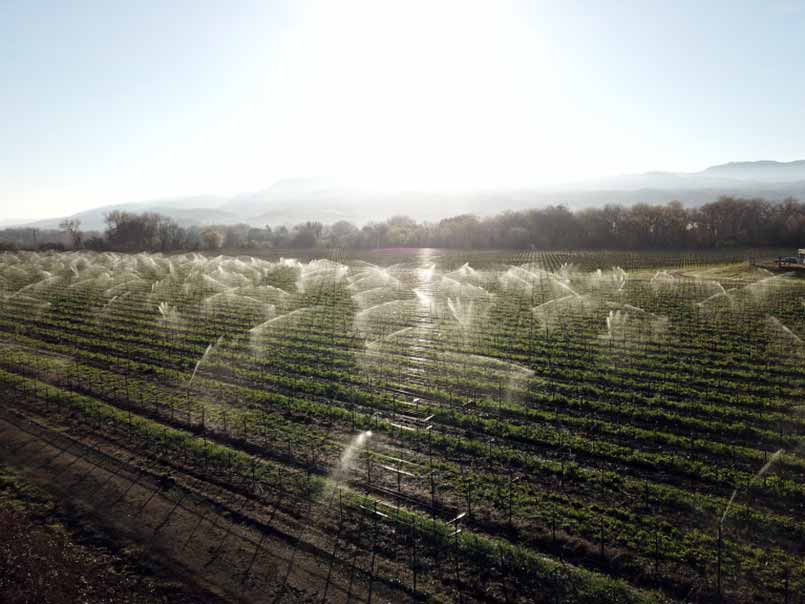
335,546
399,487
510,498
312,458
601,536
432,497
374,552
414,551
553,522
468,494
204,436
500,398
656,547
656,550
718,564
512,480
430,445
457,563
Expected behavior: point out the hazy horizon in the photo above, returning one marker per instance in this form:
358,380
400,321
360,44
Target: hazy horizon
113,104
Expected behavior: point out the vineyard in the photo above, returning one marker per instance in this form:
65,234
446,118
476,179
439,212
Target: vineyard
424,425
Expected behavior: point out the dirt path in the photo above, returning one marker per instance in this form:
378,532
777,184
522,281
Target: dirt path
178,529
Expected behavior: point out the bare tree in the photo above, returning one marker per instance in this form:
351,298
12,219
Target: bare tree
72,227
213,238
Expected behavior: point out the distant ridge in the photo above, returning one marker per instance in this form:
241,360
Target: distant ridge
293,200
765,170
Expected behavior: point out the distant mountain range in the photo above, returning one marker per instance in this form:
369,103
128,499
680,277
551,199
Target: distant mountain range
766,175
292,201
760,171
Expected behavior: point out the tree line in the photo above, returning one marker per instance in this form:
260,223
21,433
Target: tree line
727,222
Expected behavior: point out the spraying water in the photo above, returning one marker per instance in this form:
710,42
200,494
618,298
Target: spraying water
713,297
616,324
368,321
463,273
757,476
288,315
202,359
38,285
775,323
108,306
619,278
511,280
544,305
375,345
567,287
423,297
759,291
348,456
383,305
426,273
462,314
663,280
637,309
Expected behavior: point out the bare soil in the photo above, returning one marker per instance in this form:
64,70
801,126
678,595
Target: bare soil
182,534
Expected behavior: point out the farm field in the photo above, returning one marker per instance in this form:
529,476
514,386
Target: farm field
427,425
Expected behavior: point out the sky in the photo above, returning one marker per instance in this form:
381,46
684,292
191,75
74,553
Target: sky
110,101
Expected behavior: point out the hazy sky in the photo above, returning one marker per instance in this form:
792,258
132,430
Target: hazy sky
113,101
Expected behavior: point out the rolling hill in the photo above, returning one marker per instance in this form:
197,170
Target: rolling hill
291,201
